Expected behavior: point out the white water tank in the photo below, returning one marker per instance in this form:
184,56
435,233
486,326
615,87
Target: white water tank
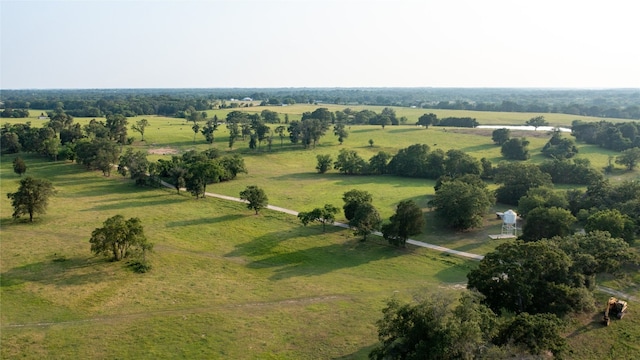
509,217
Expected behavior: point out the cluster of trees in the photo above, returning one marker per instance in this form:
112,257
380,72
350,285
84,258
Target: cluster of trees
520,296
431,119
242,125
364,218
99,103
430,328
324,215
414,161
558,147
608,135
307,131
461,202
195,170
14,113
548,212
60,137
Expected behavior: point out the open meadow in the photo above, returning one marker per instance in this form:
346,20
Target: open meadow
229,284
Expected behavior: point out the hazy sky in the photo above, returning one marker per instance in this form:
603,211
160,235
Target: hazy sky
319,43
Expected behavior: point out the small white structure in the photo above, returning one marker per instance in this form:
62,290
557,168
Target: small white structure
509,223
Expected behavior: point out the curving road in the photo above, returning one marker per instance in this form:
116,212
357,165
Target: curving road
409,241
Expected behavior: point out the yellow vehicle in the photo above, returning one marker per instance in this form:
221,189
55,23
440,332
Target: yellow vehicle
614,307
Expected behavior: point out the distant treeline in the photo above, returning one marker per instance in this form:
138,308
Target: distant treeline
614,103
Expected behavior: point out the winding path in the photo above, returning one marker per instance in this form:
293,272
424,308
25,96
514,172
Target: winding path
343,225
409,241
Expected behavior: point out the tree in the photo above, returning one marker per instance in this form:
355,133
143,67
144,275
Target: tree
613,221
516,149
541,197
117,126
10,143
350,163
99,153
31,198
280,131
537,333
517,179
324,215
378,163
352,200
408,220
461,205
270,117
365,220
50,148
427,119
324,163
140,126
119,238
559,148
458,163
200,173
543,223
255,197
533,277
594,253
135,164
536,122
195,129
430,329
629,158
501,136
311,130
370,142
340,131
412,161
19,166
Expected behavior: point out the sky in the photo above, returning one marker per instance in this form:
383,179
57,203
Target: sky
74,44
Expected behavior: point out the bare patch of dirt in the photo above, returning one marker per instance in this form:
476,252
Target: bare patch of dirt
163,151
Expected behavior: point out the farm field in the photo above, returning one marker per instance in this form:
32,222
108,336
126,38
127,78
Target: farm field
229,284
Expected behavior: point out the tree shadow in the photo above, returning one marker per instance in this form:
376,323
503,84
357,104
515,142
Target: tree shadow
311,261
361,353
405,129
455,272
139,201
59,271
104,188
205,220
483,147
376,128
262,245
594,323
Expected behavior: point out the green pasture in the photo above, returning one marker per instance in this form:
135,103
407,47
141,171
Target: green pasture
225,283
229,284
412,114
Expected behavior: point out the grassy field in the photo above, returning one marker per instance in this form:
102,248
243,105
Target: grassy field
226,283
229,284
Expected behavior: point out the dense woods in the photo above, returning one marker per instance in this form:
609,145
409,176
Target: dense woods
617,103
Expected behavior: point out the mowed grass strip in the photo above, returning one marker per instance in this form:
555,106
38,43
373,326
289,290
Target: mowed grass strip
225,283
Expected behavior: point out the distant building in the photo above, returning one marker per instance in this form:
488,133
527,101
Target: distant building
247,99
